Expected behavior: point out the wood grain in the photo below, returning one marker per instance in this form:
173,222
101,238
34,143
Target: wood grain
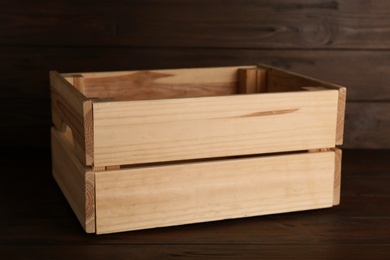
345,68
158,84
67,105
319,24
132,132
147,197
372,120
49,228
76,181
151,35
358,252
337,176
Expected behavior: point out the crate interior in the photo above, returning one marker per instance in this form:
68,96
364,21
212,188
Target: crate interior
183,83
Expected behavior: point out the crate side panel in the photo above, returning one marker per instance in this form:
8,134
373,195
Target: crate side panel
179,129
75,181
141,198
279,80
156,84
68,110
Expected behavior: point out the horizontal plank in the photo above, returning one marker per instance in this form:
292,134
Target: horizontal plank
193,128
159,84
148,197
365,178
366,126
202,251
26,67
358,228
245,24
25,84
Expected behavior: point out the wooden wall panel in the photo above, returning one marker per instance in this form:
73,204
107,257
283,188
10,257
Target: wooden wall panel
365,73
187,23
343,41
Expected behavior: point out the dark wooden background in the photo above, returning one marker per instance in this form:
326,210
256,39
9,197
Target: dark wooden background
346,42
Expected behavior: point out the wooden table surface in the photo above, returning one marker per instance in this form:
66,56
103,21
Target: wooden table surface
36,222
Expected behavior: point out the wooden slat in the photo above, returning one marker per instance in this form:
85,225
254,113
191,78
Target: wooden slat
261,80
29,108
341,106
279,80
337,176
364,208
156,84
76,181
180,129
250,24
78,83
148,197
88,132
247,81
252,80
69,108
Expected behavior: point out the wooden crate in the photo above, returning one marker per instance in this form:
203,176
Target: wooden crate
143,149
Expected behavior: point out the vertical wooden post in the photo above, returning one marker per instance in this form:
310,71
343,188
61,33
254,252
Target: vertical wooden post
252,81
78,82
261,80
247,81
337,177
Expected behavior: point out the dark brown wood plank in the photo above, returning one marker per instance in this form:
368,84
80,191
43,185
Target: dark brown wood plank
176,23
202,251
367,125
292,229
364,73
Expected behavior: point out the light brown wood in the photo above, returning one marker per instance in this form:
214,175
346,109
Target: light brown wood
98,168
252,80
113,167
261,80
146,155
180,129
147,197
105,168
337,177
157,84
76,181
341,107
88,131
78,82
68,109
247,83
279,80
